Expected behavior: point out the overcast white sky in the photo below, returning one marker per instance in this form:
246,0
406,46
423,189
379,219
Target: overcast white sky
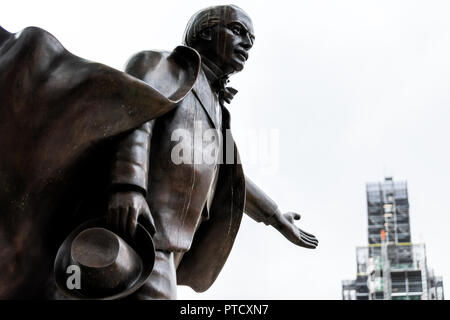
356,89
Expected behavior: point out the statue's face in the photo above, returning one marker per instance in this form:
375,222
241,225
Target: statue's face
231,41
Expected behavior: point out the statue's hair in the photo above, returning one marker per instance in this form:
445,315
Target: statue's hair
204,19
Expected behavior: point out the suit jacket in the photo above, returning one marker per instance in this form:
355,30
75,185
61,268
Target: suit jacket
178,193
56,109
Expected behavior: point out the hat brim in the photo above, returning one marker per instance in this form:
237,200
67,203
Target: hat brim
143,245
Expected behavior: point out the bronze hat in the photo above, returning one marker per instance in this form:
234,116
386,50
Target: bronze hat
109,267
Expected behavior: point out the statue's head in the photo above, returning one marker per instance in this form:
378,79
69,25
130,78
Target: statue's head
223,34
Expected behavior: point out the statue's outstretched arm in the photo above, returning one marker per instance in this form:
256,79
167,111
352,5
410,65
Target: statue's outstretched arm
258,205
261,208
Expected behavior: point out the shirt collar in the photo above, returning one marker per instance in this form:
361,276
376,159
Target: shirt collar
214,75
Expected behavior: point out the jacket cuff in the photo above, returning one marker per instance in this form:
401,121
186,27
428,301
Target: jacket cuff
129,176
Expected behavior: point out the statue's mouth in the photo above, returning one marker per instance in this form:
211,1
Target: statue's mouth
242,54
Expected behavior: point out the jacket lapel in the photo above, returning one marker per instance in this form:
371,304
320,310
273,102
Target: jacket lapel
206,97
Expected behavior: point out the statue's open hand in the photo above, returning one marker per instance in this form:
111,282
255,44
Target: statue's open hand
124,210
285,224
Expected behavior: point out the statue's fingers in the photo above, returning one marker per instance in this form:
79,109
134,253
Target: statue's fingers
308,243
111,217
308,234
314,242
123,220
309,238
132,222
117,220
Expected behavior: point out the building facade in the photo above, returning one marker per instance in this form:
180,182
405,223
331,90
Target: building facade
391,267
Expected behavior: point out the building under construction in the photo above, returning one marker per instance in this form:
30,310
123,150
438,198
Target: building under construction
391,267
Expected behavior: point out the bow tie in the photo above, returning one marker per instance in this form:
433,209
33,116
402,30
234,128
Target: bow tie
226,94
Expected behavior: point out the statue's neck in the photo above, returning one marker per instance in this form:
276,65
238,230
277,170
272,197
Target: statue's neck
4,35
213,67
213,73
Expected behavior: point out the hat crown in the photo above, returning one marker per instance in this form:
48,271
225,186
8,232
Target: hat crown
95,248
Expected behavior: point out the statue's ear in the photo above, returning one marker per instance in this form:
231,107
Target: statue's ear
206,34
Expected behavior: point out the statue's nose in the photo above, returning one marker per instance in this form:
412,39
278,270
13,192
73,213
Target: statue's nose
247,44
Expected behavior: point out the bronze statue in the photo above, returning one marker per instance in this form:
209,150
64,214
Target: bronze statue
196,207
85,144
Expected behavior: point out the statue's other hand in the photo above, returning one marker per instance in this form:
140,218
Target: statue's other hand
285,224
125,208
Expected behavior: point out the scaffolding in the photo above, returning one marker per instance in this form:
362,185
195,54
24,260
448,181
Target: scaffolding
391,267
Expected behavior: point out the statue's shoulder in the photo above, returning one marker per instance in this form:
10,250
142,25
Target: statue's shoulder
142,62
38,39
36,53
145,63
32,53
165,70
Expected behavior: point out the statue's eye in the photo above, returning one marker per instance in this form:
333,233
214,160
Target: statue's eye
236,29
